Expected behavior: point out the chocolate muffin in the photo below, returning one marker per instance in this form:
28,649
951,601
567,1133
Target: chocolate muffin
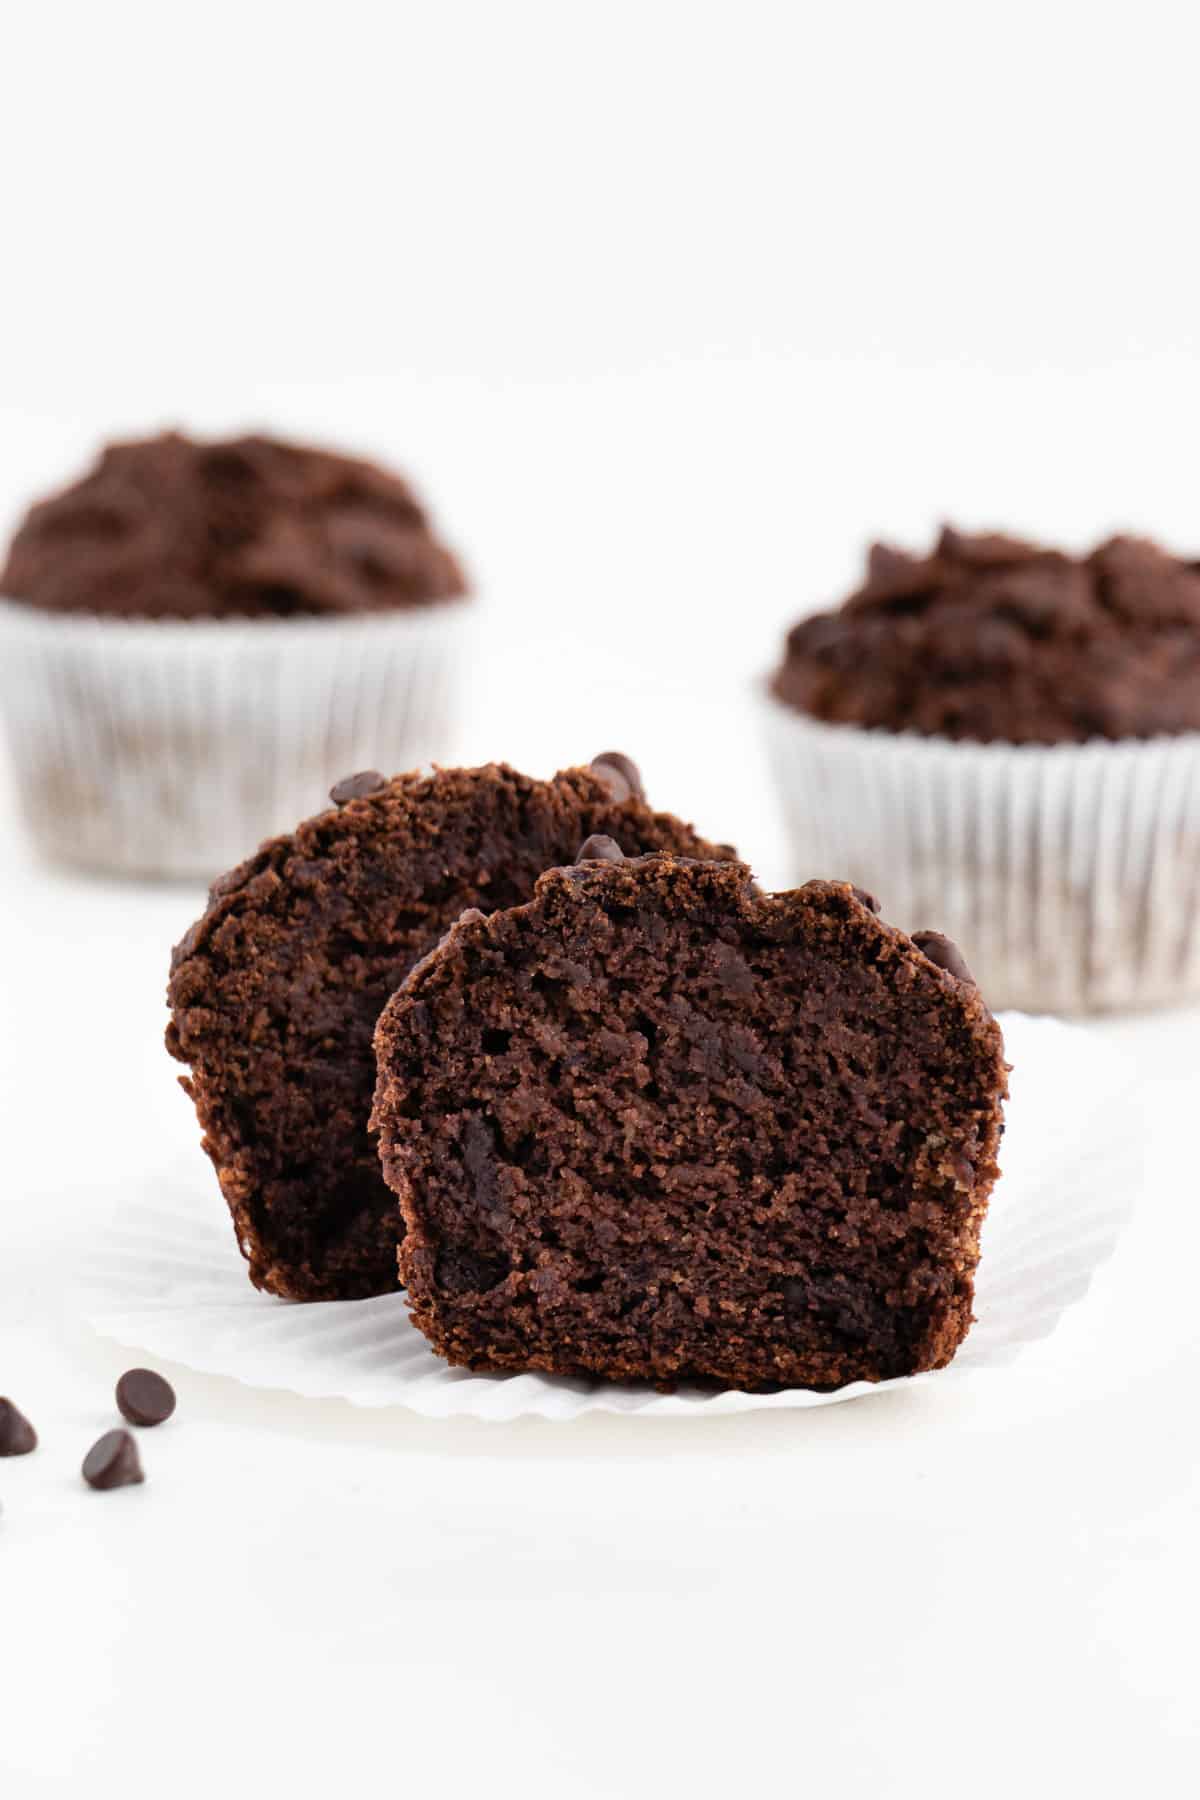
276,991
656,1125
997,640
197,638
169,528
1007,738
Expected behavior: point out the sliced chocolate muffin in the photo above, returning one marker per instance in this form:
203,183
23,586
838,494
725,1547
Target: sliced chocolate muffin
276,991
654,1124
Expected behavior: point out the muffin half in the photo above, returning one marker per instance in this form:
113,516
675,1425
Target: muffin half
657,1125
275,992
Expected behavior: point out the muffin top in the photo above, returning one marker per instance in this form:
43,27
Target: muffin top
170,528
997,640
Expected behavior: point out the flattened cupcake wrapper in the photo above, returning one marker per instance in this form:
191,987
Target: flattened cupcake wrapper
164,1276
173,747
1068,874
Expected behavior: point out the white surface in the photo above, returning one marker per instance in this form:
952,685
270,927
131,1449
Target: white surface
163,1278
670,306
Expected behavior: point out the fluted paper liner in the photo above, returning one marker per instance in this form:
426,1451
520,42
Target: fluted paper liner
1069,874
174,746
167,1279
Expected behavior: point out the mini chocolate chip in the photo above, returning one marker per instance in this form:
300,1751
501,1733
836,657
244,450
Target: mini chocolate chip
357,787
864,898
599,848
619,774
144,1398
17,1436
113,1462
944,954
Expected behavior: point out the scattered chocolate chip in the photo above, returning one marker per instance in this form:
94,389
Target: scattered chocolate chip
113,1462
944,954
357,787
17,1436
864,898
619,774
145,1398
599,848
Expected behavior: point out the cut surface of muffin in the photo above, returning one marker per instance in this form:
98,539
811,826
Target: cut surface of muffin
276,990
656,1125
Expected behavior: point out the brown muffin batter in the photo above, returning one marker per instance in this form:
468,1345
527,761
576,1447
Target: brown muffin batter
276,991
171,528
656,1125
997,640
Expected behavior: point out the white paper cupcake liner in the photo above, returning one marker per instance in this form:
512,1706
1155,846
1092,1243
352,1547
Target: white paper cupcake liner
1069,875
165,1276
173,747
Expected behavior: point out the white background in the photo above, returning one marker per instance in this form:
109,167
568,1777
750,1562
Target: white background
669,308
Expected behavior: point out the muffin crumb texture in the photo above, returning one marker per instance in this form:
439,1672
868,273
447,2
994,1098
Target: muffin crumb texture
252,527
656,1125
993,639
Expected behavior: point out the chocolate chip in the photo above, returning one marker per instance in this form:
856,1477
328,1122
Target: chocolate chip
732,970
144,1398
984,549
864,898
462,1271
599,848
357,787
619,774
17,1436
113,1462
944,954
895,575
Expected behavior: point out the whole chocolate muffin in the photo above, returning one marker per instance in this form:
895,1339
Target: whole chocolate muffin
657,1125
276,991
169,528
197,638
993,639
1007,739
